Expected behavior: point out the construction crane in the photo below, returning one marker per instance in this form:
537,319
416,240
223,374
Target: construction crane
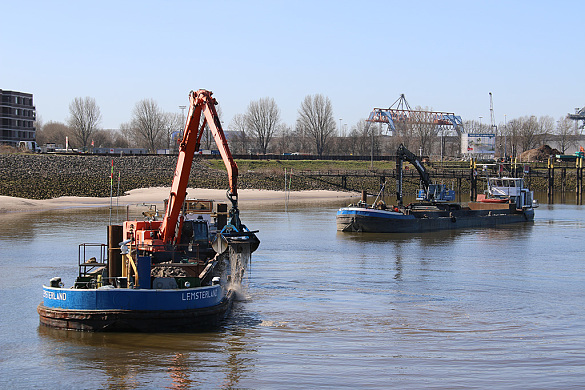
493,120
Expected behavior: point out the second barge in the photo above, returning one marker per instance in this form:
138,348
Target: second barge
507,201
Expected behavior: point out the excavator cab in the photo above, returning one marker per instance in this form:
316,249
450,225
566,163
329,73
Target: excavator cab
195,239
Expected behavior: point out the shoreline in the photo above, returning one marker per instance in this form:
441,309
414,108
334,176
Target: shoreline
156,195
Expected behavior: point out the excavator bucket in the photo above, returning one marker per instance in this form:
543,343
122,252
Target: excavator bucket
227,239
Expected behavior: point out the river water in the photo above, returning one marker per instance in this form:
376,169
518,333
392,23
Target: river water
478,308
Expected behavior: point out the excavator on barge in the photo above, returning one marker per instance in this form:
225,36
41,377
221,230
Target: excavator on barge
166,239
506,201
178,273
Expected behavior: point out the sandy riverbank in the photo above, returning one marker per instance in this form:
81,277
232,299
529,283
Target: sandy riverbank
156,195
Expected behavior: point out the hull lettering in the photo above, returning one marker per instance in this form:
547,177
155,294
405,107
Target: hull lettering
192,296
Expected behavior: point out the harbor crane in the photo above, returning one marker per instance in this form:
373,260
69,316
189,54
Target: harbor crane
400,112
579,115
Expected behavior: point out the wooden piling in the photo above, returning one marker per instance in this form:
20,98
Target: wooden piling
551,180
473,182
579,172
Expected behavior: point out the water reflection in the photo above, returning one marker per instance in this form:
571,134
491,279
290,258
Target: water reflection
27,227
176,361
442,237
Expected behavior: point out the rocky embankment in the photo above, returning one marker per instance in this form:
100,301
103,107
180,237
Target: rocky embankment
41,176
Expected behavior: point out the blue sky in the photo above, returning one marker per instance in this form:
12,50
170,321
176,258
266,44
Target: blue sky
444,55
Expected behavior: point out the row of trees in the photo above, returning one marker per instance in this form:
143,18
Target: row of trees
149,127
260,130
529,132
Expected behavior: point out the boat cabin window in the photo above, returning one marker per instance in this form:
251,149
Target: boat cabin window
198,206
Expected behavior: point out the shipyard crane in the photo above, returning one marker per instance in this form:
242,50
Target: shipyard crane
579,115
400,112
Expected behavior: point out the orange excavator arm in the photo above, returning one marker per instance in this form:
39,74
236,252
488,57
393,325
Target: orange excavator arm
201,102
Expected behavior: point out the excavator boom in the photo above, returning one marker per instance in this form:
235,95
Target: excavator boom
403,154
201,102
430,192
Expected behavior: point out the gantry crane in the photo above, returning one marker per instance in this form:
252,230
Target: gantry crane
402,113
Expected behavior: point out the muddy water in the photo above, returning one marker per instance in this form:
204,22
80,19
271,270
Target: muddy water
464,309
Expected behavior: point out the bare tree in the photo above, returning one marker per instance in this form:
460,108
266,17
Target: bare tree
238,127
84,119
283,141
148,125
529,131
567,133
512,132
120,139
173,124
38,125
53,132
127,133
546,128
477,127
108,138
423,130
404,134
525,133
262,119
361,136
316,117
102,138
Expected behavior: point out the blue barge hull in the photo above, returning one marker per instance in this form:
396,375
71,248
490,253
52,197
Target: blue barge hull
138,310
356,219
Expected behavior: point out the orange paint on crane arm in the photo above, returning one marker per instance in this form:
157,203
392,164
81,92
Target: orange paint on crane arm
200,102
